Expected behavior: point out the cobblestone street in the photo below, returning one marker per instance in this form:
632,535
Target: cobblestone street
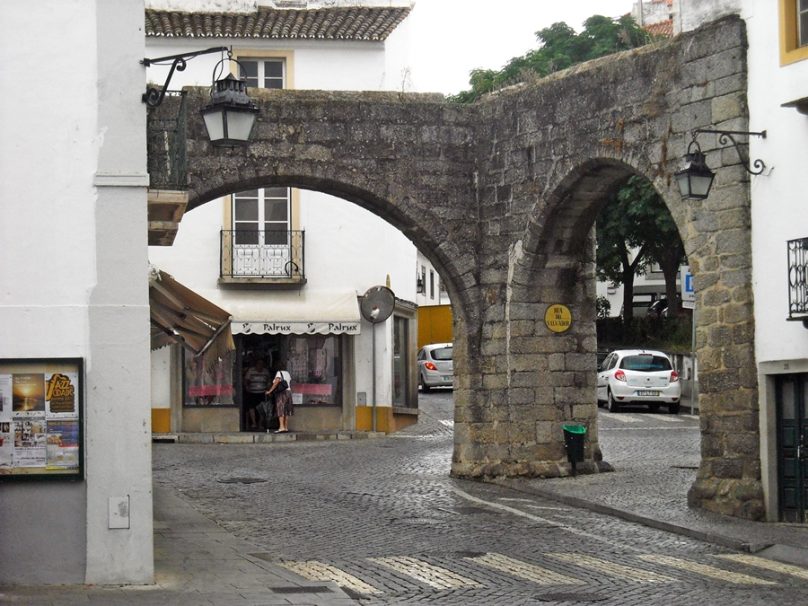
383,519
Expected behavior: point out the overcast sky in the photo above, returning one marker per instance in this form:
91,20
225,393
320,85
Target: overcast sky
452,37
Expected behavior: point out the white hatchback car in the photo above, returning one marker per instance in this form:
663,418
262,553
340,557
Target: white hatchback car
638,376
435,366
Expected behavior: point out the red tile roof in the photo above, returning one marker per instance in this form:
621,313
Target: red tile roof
663,29
330,23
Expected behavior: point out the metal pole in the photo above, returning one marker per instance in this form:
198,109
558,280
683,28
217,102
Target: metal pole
693,361
373,411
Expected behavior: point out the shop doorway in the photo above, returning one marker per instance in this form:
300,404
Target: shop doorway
258,358
314,362
792,469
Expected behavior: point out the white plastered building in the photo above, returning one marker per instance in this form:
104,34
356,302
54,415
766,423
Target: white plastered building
289,265
74,231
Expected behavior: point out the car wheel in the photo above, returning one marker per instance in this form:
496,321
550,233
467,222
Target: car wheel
673,408
611,405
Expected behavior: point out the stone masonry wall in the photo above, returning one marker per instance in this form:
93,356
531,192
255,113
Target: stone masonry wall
502,196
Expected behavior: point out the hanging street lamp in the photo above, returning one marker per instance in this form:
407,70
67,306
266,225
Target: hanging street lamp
230,116
696,178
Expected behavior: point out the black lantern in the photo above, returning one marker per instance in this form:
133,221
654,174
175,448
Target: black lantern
230,117
696,178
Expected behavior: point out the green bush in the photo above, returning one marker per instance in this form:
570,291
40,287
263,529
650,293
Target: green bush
671,335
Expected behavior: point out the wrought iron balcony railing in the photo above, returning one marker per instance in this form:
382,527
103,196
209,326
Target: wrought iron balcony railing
798,279
168,167
269,255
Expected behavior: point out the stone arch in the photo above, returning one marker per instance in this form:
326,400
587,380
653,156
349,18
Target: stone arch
557,252
442,251
484,189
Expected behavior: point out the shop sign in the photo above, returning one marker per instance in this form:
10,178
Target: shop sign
41,419
296,328
558,318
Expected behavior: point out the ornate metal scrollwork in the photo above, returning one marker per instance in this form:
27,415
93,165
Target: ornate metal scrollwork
726,136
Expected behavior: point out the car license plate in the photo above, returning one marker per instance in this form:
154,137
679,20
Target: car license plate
647,392
445,378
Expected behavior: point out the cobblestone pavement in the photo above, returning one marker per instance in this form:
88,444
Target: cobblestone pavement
383,519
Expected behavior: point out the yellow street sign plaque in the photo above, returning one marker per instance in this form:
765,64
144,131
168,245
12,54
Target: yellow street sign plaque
558,318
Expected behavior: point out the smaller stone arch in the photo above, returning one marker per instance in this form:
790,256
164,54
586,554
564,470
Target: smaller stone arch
559,256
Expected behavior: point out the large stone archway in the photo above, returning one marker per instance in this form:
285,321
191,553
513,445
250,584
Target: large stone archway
501,195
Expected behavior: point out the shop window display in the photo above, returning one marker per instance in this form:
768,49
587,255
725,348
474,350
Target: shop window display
209,384
314,363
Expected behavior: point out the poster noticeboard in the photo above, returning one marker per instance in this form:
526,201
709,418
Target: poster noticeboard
41,421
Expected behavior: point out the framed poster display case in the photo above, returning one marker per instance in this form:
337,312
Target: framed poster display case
41,419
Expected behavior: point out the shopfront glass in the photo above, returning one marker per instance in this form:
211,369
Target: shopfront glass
400,360
209,383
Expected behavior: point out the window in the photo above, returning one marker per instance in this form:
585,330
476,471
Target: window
401,354
431,284
261,234
261,216
645,363
263,73
793,31
315,364
261,224
206,384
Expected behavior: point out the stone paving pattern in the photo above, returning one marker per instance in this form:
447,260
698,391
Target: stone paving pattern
233,520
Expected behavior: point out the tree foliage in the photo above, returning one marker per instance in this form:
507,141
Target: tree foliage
560,47
634,229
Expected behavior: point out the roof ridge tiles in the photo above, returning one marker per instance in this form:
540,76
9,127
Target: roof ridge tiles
327,22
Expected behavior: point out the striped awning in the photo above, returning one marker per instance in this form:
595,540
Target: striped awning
179,315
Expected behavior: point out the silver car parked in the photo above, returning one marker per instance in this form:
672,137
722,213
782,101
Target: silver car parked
435,366
638,376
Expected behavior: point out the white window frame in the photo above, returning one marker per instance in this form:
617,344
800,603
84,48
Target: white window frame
261,79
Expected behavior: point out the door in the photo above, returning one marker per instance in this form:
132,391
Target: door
261,244
792,422
603,376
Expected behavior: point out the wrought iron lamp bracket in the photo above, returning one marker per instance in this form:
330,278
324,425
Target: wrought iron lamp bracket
728,136
153,97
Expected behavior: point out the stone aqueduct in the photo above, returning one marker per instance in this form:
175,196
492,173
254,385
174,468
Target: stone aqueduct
502,195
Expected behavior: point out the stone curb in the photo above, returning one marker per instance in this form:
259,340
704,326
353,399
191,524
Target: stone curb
262,437
708,537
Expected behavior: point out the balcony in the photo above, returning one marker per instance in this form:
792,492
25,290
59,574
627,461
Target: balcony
262,257
798,279
167,195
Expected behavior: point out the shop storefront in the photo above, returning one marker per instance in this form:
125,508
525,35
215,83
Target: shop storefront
315,346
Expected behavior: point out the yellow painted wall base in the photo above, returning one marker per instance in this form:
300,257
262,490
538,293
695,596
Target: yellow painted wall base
364,418
160,420
386,420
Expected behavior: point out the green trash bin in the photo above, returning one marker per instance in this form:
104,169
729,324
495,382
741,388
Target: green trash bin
574,436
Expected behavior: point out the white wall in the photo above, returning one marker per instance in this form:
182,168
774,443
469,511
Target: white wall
690,14
73,223
778,196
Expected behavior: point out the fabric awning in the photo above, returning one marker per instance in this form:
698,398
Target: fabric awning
179,315
300,313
